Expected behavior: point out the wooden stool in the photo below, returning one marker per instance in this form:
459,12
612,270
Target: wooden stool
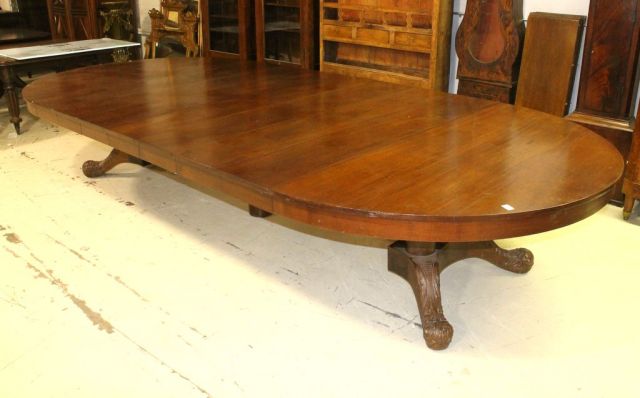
631,183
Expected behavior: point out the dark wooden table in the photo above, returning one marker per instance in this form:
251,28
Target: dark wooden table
11,69
440,175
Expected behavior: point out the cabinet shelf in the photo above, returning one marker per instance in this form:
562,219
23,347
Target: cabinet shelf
227,25
407,76
282,26
224,29
390,28
285,32
392,47
282,5
226,17
400,42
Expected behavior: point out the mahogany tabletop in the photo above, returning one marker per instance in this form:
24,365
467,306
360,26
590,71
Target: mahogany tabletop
343,153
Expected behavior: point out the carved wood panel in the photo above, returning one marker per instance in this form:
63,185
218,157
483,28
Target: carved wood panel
610,59
488,45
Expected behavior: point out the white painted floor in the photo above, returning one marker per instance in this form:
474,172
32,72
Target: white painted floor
137,285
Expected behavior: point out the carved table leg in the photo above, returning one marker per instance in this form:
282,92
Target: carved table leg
420,264
92,168
11,91
257,212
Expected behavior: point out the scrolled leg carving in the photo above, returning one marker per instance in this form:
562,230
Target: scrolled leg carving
437,331
93,169
423,274
519,260
420,264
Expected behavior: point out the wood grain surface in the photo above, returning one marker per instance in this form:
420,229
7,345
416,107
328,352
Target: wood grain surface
549,60
338,152
610,62
488,43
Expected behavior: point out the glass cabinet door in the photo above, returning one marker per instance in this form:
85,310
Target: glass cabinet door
282,30
224,26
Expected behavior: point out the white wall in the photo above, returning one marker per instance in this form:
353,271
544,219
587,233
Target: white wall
5,5
579,7
144,24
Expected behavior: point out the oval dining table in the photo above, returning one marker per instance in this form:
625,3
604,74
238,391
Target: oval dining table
441,176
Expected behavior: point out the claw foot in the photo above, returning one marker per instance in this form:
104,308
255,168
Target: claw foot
517,260
438,334
93,169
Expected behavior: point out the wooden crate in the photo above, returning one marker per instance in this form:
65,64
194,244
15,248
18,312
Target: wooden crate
400,41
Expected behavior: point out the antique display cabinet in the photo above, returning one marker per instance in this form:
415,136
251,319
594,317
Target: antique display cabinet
228,28
285,31
85,19
404,41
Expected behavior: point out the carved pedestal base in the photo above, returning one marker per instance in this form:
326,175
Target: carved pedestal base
92,168
420,264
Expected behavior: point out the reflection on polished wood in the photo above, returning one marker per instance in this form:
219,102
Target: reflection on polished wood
350,155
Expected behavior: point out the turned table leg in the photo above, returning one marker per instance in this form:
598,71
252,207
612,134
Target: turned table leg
420,264
11,91
93,168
